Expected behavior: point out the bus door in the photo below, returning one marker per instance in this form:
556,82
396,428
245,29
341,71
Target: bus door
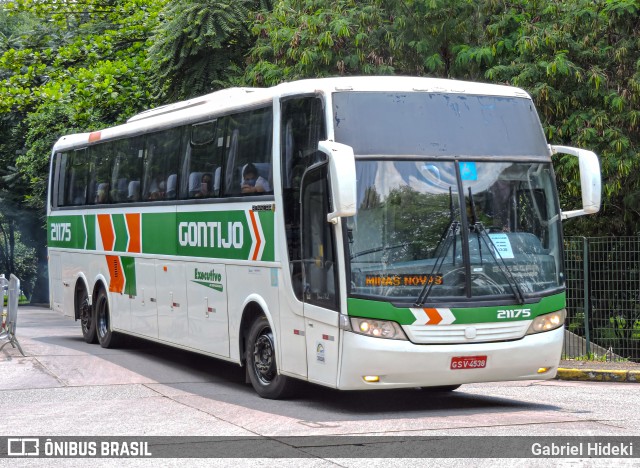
320,277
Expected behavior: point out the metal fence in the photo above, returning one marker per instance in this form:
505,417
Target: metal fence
603,298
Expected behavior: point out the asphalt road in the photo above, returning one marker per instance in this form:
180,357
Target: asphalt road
65,387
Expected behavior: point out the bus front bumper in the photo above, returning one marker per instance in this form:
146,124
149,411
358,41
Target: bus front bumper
401,364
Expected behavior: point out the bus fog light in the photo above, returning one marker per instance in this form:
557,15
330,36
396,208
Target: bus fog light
547,322
543,370
371,378
377,328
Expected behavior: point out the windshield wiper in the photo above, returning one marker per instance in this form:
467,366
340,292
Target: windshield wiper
478,227
377,249
448,237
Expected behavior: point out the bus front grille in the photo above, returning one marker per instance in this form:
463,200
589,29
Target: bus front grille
466,333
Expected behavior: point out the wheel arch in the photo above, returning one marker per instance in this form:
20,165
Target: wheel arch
81,282
254,306
100,283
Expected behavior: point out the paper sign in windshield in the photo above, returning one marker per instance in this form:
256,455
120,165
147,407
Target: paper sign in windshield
502,244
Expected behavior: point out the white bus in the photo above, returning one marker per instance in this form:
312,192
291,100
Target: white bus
357,232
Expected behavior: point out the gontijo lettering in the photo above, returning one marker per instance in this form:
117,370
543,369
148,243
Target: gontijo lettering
211,234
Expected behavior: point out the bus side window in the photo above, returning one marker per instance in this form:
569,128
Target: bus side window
101,157
76,168
203,156
250,135
76,195
162,160
59,177
127,170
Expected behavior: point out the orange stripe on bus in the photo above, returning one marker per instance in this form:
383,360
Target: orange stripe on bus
434,317
106,231
257,233
116,284
133,225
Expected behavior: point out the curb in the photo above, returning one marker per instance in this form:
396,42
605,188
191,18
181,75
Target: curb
599,375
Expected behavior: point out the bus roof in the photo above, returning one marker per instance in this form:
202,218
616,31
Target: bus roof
228,100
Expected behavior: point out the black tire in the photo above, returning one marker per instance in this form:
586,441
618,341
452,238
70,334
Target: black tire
260,359
441,388
84,312
102,319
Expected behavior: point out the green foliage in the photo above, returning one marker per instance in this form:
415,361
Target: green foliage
579,60
92,73
199,45
24,264
315,38
436,37
67,67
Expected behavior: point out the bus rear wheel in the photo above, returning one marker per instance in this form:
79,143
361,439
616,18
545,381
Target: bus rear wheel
85,313
102,318
260,359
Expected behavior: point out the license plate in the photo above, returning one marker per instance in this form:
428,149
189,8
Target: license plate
468,362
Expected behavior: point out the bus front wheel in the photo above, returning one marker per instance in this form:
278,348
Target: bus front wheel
102,318
260,359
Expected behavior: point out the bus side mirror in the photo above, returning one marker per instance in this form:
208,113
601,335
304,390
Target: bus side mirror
342,174
590,180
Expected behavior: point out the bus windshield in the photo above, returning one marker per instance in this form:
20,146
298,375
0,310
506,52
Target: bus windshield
446,217
408,235
437,124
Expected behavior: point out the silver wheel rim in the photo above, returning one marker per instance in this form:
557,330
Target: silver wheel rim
264,363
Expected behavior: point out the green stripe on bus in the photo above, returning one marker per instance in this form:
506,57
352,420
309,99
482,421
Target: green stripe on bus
120,230
489,314
267,221
237,234
379,310
386,311
66,232
90,223
129,270
159,233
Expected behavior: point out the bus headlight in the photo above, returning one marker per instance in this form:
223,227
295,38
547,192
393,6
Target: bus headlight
547,322
377,328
